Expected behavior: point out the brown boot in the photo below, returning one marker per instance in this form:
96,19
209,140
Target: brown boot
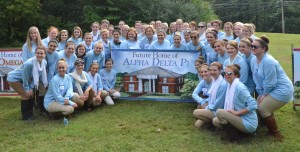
271,124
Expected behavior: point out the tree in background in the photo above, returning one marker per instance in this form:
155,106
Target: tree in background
17,15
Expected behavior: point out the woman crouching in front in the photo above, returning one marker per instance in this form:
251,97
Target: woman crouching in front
60,93
239,113
82,85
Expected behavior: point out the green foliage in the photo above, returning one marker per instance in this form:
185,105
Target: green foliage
16,17
19,15
187,90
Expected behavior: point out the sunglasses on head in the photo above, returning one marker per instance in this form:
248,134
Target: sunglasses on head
79,62
255,46
228,73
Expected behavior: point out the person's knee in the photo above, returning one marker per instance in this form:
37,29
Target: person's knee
69,110
220,112
262,112
196,112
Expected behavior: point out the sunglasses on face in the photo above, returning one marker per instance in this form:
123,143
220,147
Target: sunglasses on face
255,46
200,26
228,73
193,37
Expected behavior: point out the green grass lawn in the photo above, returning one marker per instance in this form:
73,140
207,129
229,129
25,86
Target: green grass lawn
144,125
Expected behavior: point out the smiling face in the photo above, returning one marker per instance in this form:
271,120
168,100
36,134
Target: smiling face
187,36
244,48
52,47
88,39
77,33
116,36
216,26
204,73
33,34
79,67
98,48
160,37
214,72
149,33
70,49
104,36
40,55
53,33
177,40
210,38
104,26
229,75
219,48
257,49
231,51
246,32
108,65
81,50
94,69
227,29
131,36
62,68
64,36
95,28
238,30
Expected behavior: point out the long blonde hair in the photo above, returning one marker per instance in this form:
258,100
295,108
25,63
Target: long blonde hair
38,41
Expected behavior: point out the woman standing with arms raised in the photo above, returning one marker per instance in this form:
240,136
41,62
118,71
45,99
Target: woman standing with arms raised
272,84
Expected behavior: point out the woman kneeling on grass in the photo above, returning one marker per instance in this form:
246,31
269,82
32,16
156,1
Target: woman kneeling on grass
109,78
239,113
60,93
82,85
23,80
100,94
200,93
216,96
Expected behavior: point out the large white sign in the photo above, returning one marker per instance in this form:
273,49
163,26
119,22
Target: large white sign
296,63
11,58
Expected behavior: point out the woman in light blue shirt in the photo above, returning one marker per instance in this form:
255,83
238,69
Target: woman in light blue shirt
62,38
195,44
109,79
234,58
149,38
82,85
219,47
239,112
216,96
60,93
131,40
95,56
76,36
161,43
178,45
32,41
52,34
245,49
69,55
272,84
200,93
32,74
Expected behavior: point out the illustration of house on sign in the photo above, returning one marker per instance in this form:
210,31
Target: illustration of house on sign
153,79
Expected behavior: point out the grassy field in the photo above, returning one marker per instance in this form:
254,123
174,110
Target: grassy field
144,125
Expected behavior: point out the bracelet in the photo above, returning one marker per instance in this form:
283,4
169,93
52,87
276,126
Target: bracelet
71,103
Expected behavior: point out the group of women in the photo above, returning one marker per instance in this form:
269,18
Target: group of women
79,70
